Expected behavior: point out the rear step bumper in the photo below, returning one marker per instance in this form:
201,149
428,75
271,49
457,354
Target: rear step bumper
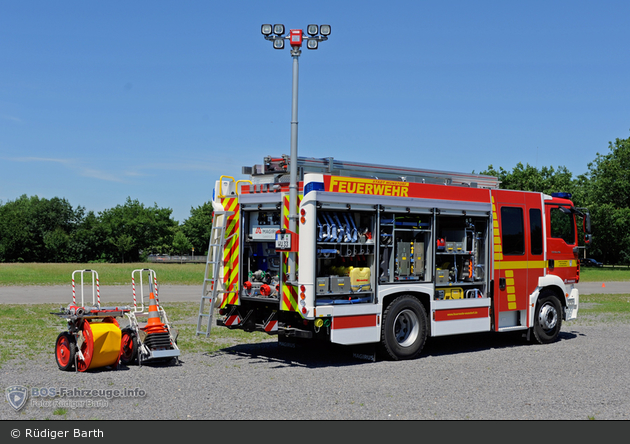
290,332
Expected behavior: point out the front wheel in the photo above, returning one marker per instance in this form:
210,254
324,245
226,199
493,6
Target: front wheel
404,328
547,318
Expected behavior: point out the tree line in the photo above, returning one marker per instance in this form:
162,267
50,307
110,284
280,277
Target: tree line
604,190
34,229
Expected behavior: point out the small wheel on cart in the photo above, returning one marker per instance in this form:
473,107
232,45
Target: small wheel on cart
65,351
129,346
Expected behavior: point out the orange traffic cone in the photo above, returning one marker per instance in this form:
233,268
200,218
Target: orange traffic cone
603,285
154,324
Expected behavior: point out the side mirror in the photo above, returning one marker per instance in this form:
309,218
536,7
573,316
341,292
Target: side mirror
586,219
587,240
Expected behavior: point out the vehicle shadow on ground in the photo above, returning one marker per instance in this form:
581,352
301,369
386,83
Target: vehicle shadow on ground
156,363
322,354
471,343
311,355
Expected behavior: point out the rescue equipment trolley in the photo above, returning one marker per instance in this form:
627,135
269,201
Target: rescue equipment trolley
109,336
149,335
93,338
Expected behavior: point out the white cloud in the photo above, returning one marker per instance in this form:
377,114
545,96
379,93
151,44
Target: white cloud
102,175
188,166
76,165
11,118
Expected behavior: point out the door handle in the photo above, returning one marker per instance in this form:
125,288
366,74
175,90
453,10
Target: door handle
551,264
502,284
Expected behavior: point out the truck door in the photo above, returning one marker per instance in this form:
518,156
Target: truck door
561,241
511,239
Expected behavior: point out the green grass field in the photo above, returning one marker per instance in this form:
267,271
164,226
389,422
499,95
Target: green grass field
606,308
108,274
605,274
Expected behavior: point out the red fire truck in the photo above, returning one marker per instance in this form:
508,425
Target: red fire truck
388,256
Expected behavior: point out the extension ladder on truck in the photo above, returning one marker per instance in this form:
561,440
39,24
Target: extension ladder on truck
209,296
280,167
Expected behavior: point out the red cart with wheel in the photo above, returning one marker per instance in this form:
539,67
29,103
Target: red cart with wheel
94,337
149,335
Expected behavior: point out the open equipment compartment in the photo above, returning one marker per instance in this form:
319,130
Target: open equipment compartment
261,260
404,241
345,257
461,257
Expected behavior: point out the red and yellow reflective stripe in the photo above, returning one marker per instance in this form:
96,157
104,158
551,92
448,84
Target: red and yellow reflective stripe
231,256
520,265
511,289
498,249
289,300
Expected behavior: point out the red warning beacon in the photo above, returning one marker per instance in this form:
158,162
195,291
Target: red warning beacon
295,37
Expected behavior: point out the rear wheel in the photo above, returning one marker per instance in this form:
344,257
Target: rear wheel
65,350
547,318
129,346
404,328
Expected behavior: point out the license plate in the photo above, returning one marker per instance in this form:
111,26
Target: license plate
283,241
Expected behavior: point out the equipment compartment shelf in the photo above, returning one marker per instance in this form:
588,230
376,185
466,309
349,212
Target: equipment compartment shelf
344,298
345,243
460,284
327,250
465,253
460,291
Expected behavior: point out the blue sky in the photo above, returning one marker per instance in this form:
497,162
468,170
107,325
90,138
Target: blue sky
156,99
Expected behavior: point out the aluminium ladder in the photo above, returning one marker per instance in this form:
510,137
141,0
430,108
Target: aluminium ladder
281,166
212,277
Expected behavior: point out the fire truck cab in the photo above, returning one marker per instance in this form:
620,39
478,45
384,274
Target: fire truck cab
389,256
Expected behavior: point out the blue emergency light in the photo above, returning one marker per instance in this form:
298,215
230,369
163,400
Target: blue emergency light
313,186
562,195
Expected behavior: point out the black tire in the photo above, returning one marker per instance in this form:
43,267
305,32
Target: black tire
547,318
129,346
65,351
404,330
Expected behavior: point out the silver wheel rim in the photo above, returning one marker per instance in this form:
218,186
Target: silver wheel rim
548,316
406,328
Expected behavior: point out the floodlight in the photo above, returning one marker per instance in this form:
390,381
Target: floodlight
266,29
311,44
324,30
278,43
312,29
278,29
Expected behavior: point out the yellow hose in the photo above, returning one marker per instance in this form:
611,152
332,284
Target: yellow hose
107,343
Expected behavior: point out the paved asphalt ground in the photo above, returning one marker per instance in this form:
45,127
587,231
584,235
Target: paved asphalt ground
62,294
186,293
